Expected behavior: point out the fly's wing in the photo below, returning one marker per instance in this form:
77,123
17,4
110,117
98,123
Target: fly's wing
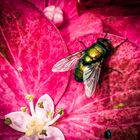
91,77
67,63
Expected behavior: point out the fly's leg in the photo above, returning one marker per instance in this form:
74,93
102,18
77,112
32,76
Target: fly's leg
83,44
119,45
105,35
109,70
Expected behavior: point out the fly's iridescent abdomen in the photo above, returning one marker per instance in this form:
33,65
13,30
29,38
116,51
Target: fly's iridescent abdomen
95,53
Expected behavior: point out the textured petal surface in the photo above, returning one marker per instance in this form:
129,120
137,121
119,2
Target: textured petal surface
54,133
74,25
11,93
115,104
12,89
28,138
19,120
31,40
28,40
47,106
122,21
85,24
90,3
8,132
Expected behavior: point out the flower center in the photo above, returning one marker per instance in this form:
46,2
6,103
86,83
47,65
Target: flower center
38,122
35,127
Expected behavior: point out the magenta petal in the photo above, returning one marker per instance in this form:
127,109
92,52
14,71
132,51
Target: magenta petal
8,132
12,89
89,118
122,21
40,4
90,3
85,24
33,43
127,26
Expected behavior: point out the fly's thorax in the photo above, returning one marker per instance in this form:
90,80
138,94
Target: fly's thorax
106,44
95,52
79,70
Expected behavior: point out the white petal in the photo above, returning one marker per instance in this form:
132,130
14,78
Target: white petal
54,133
48,106
19,120
28,138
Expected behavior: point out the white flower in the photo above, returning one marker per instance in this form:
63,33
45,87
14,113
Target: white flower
37,125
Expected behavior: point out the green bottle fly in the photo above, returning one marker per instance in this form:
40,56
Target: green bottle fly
87,63
95,53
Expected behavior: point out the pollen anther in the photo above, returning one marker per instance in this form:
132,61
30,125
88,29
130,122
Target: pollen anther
40,105
29,97
23,109
60,111
44,132
8,121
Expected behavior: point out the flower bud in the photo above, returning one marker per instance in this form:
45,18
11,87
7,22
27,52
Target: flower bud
54,14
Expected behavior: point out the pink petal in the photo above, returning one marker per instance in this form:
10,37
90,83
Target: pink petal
38,4
127,26
11,89
29,138
8,132
75,26
122,21
48,106
89,118
32,41
91,3
19,120
54,133
85,24
69,8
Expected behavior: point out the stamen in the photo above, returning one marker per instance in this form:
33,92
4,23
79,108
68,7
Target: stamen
44,132
8,121
49,114
60,113
32,108
54,119
29,132
23,109
40,105
30,99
